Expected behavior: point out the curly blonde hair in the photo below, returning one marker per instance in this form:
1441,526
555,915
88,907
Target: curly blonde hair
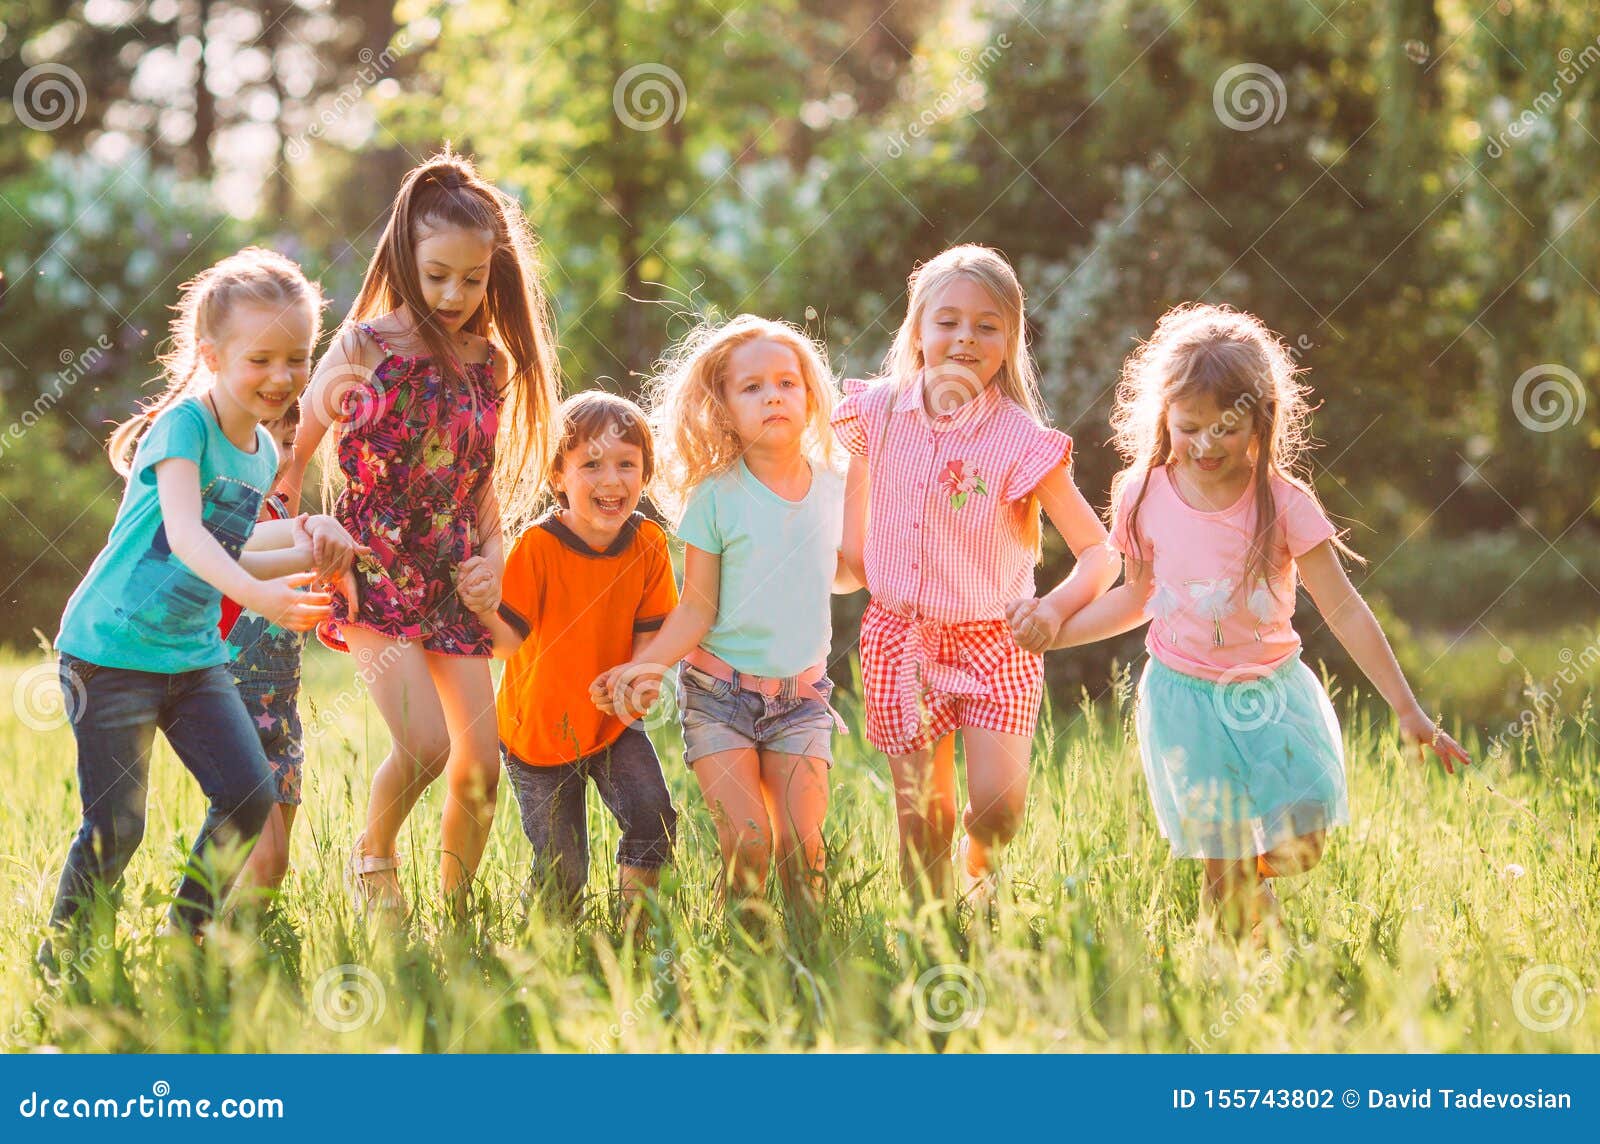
689,411
1231,357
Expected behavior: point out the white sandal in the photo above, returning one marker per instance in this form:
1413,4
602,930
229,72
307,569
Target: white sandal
357,868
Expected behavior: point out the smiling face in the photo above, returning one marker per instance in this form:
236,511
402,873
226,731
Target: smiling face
765,392
453,271
1211,442
602,479
261,357
962,335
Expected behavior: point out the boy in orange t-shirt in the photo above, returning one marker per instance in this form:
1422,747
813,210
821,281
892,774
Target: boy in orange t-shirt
583,587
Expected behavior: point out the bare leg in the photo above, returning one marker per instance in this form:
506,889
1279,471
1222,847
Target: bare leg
997,792
472,771
795,789
731,784
925,805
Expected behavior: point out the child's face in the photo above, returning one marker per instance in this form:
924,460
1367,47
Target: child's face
1209,439
261,357
963,338
453,270
602,479
283,431
765,391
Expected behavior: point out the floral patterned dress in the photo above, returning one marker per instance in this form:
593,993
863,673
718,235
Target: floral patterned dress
414,449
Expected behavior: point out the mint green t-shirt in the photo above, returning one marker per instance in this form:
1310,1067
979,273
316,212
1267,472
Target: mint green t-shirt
778,560
140,607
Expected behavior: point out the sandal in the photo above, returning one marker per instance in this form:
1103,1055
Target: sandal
362,898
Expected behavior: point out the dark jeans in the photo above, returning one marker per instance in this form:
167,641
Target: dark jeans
115,713
555,819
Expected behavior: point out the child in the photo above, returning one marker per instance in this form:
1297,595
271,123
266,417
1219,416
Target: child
584,588
1240,744
416,384
139,640
951,460
741,416
266,667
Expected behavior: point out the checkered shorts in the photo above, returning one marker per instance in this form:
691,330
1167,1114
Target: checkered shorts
923,679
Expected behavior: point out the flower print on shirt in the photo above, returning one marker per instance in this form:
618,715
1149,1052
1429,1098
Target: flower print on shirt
959,484
1211,599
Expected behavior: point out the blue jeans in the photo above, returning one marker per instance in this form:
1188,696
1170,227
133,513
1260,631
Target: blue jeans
115,714
553,800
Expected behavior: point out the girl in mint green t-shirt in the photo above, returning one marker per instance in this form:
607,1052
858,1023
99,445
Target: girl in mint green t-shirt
139,646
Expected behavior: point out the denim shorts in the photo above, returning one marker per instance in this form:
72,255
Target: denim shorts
719,717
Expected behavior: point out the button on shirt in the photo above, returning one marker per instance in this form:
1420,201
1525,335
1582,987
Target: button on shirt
947,538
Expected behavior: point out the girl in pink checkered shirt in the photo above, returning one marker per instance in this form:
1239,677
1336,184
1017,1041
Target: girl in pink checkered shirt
1241,749
950,465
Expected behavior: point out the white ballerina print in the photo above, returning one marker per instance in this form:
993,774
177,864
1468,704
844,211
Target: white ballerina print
1212,599
1262,605
1164,605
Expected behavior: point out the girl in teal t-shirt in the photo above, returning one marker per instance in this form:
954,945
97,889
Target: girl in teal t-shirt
139,645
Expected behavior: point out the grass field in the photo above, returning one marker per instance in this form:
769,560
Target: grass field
1453,915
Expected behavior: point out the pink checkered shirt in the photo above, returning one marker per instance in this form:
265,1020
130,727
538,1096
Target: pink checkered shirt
946,540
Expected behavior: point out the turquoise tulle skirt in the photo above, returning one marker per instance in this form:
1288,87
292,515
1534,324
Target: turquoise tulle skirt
1236,769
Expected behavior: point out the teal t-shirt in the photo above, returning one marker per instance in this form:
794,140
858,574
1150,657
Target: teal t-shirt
778,561
140,607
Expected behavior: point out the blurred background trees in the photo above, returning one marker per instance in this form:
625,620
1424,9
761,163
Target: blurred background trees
1405,189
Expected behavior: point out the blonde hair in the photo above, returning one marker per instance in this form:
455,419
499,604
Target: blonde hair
595,414
1231,357
1018,376
255,277
447,190
689,413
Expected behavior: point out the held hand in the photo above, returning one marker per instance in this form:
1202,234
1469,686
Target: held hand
332,548
478,585
600,690
1034,624
1425,735
284,603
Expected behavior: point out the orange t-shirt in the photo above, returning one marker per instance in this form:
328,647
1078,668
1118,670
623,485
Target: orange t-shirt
580,610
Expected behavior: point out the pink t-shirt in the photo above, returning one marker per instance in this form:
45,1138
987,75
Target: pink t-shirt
1205,621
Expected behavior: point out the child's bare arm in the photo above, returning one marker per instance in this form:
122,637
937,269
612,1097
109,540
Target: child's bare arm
1354,625
1096,567
685,626
854,545
349,361
1120,610
478,583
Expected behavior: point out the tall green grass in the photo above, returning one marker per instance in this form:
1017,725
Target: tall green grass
1453,914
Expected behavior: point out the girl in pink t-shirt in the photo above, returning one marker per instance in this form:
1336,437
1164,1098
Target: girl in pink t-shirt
950,465
1240,744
